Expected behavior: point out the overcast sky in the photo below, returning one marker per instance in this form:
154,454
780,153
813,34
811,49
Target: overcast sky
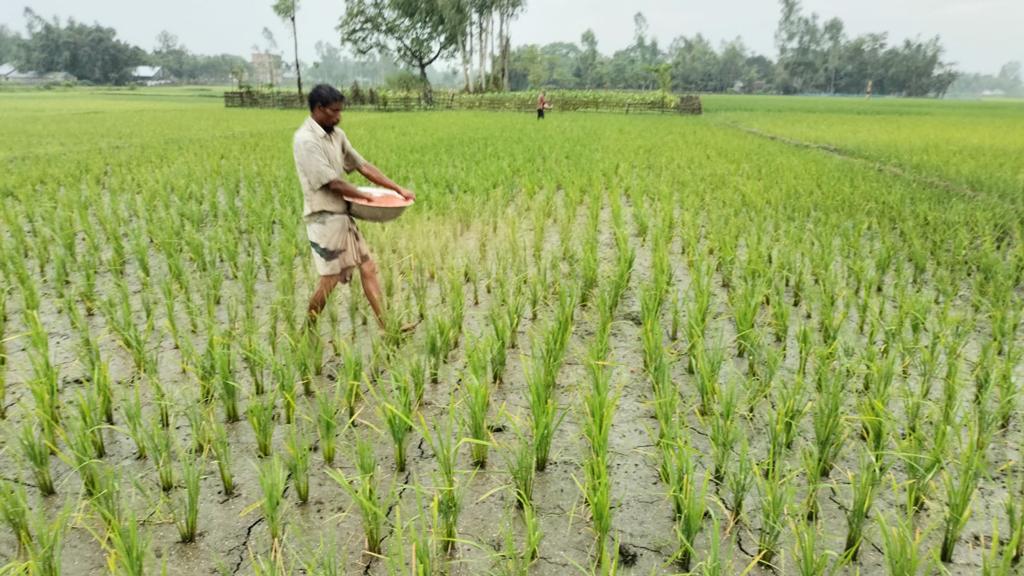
979,35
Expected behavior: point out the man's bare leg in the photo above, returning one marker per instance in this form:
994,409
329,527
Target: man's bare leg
319,298
371,288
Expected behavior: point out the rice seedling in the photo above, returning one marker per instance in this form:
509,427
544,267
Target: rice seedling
351,378
476,401
88,410
221,447
448,491
260,413
132,410
775,492
724,431
160,447
273,479
128,546
298,447
708,361
326,418
808,556
902,543
864,485
37,454
959,495
362,488
1015,516
14,510
521,468
45,551
186,512
740,478
999,559
829,430
690,502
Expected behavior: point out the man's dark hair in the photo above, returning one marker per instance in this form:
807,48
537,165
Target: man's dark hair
324,95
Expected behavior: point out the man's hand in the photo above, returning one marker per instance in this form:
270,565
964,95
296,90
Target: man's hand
406,193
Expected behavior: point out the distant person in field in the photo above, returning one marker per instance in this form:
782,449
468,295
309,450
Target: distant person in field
542,105
322,155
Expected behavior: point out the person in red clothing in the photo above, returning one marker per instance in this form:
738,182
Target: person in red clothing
542,105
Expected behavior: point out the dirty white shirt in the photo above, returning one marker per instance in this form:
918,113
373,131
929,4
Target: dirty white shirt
319,158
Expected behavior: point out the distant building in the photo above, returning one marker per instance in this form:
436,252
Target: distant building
266,68
151,75
9,74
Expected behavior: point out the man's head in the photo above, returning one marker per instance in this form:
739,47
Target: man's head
325,102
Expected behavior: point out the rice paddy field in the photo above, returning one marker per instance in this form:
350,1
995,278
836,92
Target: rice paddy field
783,337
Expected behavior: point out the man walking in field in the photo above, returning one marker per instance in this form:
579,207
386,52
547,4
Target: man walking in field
322,154
542,105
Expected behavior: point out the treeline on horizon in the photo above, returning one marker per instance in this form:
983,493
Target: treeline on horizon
814,57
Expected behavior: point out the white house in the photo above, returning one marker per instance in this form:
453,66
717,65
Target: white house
150,75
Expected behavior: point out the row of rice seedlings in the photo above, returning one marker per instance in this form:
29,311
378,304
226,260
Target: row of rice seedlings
362,488
542,374
298,448
599,408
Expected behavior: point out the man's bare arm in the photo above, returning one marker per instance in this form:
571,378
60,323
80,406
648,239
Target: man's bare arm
373,174
347,190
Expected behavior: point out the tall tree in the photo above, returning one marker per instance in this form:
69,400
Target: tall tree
90,53
10,44
285,10
416,32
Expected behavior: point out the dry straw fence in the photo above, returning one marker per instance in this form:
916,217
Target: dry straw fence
575,101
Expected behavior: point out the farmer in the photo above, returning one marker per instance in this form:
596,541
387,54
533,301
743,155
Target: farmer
542,104
322,153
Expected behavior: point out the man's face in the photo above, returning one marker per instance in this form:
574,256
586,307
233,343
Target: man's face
328,116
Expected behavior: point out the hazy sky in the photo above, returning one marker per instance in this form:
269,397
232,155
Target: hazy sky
979,35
